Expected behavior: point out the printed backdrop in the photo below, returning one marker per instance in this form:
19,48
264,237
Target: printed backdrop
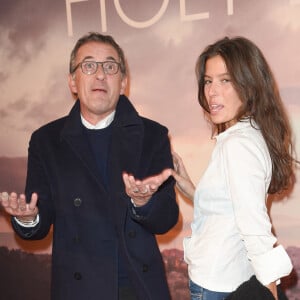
162,40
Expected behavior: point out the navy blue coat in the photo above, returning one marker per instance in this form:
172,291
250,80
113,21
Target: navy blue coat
90,223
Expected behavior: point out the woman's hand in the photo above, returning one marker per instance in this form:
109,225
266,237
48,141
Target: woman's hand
273,288
183,181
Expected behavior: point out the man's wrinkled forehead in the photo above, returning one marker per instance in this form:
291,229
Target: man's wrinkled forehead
93,50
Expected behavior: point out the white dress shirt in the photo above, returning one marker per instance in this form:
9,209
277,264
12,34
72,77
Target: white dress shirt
231,232
101,124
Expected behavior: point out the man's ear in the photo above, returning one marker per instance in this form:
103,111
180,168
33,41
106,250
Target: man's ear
72,83
123,85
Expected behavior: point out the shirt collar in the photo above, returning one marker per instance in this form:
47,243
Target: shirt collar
101,124
237,126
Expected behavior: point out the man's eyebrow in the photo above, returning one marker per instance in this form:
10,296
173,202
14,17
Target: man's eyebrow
88,57
92,57
110,58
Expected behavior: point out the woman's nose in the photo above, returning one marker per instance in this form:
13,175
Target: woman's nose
212,89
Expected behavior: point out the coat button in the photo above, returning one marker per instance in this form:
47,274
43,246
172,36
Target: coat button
145,268
77,202
77,276
76,239
132,234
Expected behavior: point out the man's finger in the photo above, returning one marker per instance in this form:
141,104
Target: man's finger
33,201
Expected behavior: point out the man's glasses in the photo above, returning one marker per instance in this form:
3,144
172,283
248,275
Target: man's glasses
91,67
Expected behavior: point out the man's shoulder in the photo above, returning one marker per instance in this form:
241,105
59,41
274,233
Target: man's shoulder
153,125
55,125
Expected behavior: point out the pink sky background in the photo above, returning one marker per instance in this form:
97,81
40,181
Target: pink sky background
34,57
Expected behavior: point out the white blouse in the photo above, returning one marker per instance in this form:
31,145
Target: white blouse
231,232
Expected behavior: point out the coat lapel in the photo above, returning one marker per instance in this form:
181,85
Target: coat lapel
126,144
124,155
73,134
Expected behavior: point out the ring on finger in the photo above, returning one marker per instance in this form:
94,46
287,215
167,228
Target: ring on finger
145,191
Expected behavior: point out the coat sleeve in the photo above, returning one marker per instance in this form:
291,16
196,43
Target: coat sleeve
37,182
161,213
248,177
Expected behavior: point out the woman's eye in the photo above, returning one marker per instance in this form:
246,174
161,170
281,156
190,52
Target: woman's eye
225,80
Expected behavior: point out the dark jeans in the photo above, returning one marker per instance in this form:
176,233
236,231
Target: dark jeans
199,293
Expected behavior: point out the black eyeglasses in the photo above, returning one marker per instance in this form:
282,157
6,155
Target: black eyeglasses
91,67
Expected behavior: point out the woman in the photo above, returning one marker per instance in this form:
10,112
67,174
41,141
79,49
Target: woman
231,236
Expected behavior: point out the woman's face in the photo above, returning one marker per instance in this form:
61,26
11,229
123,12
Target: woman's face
220,94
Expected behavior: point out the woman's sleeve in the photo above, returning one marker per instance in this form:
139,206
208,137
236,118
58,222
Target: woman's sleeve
248,173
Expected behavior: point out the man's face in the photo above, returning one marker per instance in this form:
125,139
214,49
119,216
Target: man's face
98,93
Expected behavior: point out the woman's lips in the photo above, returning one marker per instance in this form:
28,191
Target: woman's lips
214,108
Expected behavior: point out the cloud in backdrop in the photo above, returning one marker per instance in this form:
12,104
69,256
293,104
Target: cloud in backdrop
34,57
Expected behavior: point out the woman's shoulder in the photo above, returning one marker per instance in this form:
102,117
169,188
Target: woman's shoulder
245,140
242,135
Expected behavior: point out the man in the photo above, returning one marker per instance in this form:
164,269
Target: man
93,175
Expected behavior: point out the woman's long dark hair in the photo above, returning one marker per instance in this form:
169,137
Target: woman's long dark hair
255,84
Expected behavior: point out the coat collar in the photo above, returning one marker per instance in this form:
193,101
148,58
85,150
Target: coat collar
126,115
126,143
